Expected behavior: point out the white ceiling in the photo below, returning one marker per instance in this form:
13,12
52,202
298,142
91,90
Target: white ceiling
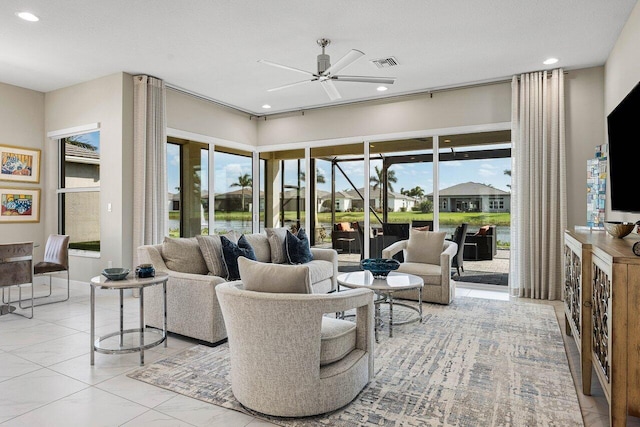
211,48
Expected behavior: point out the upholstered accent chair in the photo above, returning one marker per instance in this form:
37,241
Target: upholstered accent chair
16,269
427,254
287,358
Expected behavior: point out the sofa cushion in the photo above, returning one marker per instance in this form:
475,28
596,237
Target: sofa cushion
337,339
425,246
183,254
431,274
260,245
320,270
231,252
277,278
297,247
276,238
211,248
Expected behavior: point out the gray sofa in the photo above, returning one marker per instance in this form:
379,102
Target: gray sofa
192,303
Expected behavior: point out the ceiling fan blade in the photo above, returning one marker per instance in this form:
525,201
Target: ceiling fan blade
290,85
286,67
346,60
331,90
365,79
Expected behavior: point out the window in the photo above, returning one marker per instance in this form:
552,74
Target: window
187,188
79,191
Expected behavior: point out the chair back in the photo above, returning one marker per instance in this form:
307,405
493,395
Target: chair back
16,264
459,237
57,250
422,223
396,229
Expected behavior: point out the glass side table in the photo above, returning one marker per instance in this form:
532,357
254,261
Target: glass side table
128,340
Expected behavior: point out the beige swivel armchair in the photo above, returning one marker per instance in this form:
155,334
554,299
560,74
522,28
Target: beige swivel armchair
429,256
287,358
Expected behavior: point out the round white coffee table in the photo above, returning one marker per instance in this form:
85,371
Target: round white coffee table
143,337
384,289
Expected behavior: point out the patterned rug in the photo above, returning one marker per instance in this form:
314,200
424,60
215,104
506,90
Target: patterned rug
473,363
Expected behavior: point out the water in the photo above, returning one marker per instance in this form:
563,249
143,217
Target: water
503,232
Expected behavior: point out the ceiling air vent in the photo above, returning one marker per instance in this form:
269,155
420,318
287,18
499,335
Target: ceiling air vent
385,62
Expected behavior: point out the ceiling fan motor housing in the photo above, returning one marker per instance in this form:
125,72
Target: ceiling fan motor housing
323,63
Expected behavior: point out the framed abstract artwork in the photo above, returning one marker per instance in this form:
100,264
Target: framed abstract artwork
19,164
19,205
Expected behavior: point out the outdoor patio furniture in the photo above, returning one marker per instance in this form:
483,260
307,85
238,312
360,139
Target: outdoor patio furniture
344,238
481,245
459,238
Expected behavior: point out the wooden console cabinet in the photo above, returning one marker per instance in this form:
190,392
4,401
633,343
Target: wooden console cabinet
602,312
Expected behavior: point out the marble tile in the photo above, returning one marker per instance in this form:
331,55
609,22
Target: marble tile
260,423
57,350
38,333
478,293
155,419
106,366
89,407
12,366
136,391
25,393
201,413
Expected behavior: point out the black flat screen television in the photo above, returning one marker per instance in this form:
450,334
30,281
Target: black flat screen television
623,125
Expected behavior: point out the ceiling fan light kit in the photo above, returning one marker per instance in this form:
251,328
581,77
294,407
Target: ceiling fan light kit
327,73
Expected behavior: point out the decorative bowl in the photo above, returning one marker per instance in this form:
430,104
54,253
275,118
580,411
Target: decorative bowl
619,229
115,273
379,267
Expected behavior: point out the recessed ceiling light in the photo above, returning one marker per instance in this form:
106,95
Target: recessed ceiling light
550,61
447,140
382,88
28,16
266,106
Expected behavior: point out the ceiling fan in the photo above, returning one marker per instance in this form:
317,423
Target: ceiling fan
327,73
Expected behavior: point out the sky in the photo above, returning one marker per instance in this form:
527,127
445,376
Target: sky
229,167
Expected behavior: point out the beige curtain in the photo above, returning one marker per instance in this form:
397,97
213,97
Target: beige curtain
150,207
538,209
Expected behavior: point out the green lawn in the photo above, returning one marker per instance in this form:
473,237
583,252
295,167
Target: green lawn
446,218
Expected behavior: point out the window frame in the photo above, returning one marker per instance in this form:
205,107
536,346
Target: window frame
61,191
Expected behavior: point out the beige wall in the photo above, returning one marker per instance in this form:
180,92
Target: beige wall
108,101
463,107
622,73
22,124
584,103
191,114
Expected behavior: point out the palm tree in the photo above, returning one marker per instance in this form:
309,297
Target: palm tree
244,181
378,180
319,176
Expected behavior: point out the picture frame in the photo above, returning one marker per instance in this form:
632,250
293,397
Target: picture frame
19,205
19,164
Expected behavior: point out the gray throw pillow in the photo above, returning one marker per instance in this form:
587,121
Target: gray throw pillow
277,238
211,248
276,278
425,246
183,254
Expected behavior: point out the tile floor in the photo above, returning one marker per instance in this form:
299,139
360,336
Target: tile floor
46,378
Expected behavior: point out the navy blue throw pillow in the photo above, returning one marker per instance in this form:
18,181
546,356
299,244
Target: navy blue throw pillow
231,252
297,247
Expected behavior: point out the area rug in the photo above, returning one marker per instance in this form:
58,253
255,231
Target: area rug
476,362
485,277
